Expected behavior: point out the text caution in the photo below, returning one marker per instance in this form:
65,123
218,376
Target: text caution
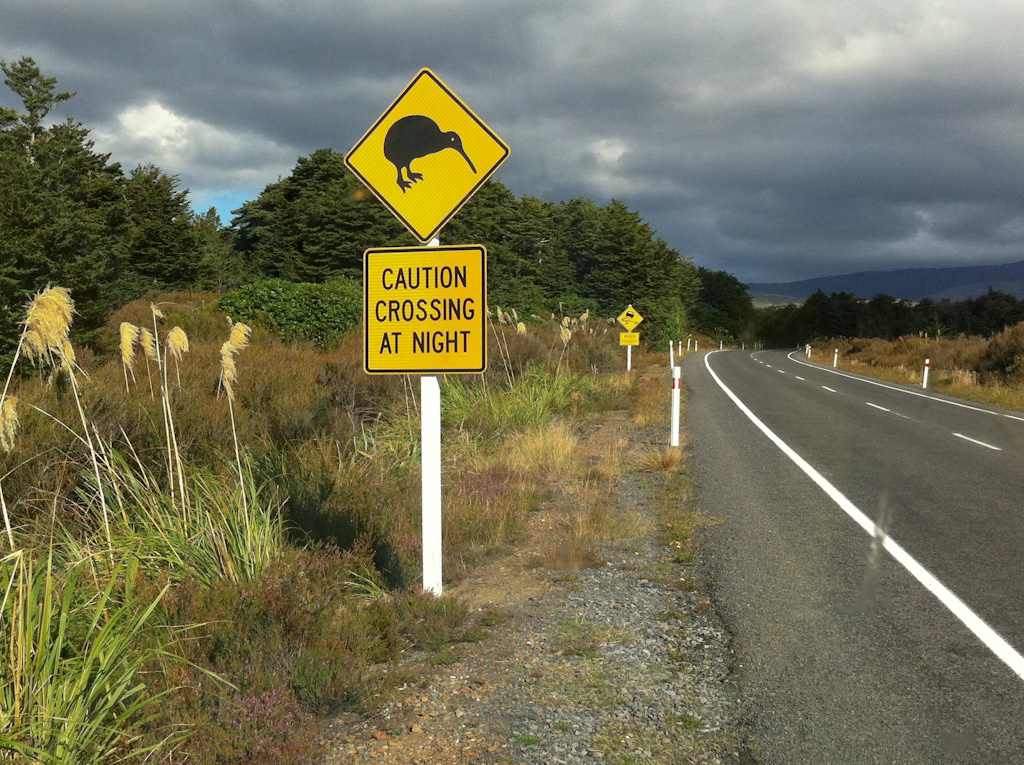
424,310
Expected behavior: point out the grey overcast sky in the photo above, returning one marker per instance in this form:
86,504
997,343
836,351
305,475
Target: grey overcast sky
775,139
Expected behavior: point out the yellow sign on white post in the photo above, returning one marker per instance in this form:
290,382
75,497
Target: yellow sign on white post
453,150
629,338
425,310
630,319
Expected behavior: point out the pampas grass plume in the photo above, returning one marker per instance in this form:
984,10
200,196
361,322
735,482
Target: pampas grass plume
238,340
521,328
8,423
239,336
129,332
48,322
148,343
157,313
177,342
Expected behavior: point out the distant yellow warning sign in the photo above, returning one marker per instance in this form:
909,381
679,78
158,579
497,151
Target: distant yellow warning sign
424,310
629,338
426,155
630,319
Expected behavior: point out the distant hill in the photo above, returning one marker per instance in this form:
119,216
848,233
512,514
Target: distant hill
958,283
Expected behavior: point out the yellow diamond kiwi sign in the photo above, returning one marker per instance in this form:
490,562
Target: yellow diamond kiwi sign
425,314
426,155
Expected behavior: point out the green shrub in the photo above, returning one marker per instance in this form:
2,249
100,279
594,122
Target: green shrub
317,312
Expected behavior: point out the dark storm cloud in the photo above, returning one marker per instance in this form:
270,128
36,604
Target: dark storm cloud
777,140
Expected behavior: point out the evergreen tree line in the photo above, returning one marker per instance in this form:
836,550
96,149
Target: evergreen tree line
70,216
843,315
542,256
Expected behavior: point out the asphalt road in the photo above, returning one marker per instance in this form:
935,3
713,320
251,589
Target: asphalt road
843,655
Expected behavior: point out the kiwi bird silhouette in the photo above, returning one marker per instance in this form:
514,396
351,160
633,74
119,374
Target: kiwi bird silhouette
417,136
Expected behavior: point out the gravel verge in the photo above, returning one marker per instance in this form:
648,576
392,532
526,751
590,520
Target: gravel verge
623,662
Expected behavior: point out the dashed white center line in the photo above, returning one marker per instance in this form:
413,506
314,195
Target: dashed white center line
781,372
830,390
798,377
876,406
976,441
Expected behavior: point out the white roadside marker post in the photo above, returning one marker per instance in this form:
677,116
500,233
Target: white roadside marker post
927,366
721,344
671,356
430,448
676,385
687,345
835,359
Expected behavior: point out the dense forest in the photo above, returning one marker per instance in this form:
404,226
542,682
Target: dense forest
842,315
69,215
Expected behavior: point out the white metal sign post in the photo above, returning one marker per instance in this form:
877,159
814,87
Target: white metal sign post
430,468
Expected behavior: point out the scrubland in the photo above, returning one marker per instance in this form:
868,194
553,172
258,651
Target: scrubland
989,370
212,535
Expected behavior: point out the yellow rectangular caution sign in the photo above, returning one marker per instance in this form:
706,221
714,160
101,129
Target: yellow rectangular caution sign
629,338
425,310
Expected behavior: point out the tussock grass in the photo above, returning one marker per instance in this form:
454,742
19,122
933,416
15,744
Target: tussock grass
553,452
987,370
660,460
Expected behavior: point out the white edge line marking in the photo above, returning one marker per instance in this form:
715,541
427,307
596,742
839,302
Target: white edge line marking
900,390
992,639
876,406
830,390
976,441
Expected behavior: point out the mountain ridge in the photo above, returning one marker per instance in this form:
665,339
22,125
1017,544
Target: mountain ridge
954,283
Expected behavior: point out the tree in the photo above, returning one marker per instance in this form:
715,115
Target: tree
723,304
69,216
314,224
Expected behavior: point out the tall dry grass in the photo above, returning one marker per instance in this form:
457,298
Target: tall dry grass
988,370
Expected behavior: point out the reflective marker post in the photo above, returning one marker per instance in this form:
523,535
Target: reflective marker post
676,386
835,359
430,465
671,356
927,366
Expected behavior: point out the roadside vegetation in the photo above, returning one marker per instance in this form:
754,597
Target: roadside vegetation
988,370
213,534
